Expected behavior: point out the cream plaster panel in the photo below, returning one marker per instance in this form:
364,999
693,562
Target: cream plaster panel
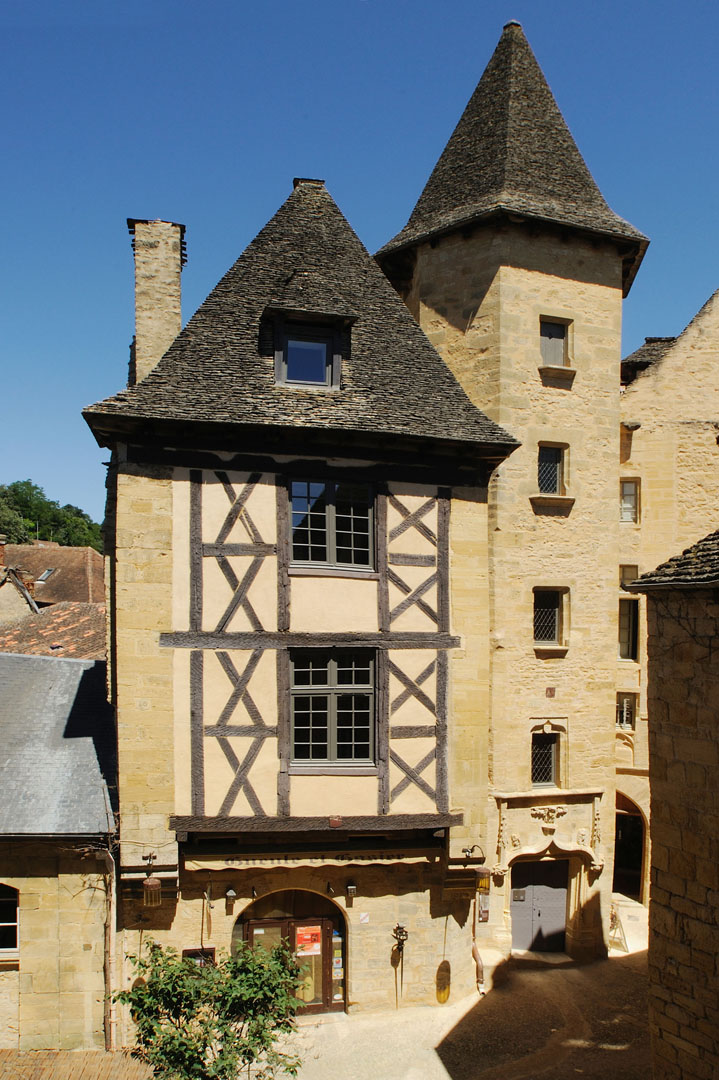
181,741
262,688
261,507
217,594
181,549
333,605
412,800
219,776
413,618
345,796
411,541
412,664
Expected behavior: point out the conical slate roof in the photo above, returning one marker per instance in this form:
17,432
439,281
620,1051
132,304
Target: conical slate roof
512,151
220,368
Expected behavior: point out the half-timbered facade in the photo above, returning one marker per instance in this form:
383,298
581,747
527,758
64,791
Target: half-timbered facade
298,569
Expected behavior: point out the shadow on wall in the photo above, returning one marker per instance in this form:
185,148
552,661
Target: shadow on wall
555,1021
92,717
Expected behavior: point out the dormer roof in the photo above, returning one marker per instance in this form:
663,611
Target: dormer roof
220,372
512,152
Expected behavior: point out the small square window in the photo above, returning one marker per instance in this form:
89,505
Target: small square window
550,470
628,573
629,629
553,342
333,707
307,355
629,500
626,711
545,753
547,617
332,524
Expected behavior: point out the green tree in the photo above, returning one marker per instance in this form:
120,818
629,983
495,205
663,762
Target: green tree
12,523
211,1022
45,519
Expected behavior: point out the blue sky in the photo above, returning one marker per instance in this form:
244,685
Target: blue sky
202,112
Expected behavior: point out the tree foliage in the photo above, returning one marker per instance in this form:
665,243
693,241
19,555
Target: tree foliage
26,514
214,1022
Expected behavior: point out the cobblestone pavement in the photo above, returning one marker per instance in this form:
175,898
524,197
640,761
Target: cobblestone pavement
559,1022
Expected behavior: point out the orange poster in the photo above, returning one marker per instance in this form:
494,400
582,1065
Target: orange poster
309,940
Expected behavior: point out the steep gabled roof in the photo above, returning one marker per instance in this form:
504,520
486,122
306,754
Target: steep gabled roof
60,573
513,152
220,369
697,567
651,352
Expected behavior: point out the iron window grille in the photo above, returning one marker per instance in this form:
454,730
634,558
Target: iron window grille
628,629
629,500
332,524
547,616
550,461
626,711
8,918
545,748
333,706
553,343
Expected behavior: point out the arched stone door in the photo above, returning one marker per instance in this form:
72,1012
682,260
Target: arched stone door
316,931
628,848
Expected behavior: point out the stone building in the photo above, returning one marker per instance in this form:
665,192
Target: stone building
683,614
368,523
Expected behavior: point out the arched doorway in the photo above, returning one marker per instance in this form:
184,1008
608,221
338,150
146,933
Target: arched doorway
628,848
315,929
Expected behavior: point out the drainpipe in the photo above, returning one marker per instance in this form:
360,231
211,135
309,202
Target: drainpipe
109,1007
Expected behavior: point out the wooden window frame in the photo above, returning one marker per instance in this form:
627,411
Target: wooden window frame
332,690
331,336
633,516
547,361
331,563
629,641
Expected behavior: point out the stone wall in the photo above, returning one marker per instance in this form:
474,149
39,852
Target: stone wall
684,774
53,993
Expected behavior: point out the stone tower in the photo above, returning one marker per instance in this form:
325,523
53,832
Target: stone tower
515,268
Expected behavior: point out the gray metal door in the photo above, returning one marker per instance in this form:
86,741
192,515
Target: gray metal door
539,905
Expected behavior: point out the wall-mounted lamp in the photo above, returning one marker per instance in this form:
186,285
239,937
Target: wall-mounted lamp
400,934
151,886
351,888
330,891
467,852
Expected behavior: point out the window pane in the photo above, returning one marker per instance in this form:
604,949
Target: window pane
552,341
626,710
628,500
307,361
544,758
309,521
628,623
8,937
549,470
310,669
628,573
8,911
354,719
354,670
546,616
352,523
311,727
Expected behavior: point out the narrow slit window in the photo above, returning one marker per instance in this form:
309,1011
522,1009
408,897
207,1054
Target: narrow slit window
550,468
629,500
626,711
547,616
545,748
629,629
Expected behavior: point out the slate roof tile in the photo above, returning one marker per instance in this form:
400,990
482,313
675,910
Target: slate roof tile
696,567
220,368
512,151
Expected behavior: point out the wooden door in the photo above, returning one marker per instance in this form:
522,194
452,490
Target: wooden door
539,905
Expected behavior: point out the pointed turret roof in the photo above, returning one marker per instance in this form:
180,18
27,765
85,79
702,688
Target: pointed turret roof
513,152
307,261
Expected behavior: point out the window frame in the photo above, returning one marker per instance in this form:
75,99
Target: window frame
332,690
623,698
551,738
561,450
558,640
287,330
9,892
630,640
331,564
633,517
545,351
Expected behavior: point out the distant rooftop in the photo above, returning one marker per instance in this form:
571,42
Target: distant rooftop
65,629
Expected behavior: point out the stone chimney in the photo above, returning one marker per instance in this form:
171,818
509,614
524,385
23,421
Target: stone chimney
159,248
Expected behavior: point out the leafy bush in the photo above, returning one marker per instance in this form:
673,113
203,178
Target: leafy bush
214,1021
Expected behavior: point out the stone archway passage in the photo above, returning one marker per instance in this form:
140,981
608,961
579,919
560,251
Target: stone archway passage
628,848
315,930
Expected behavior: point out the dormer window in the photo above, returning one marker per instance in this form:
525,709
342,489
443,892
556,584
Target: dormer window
307,355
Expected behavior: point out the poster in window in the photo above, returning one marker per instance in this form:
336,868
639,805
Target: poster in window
309,940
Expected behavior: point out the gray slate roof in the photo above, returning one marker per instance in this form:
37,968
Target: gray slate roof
56,747
512,151
651,352
220,369
697,567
